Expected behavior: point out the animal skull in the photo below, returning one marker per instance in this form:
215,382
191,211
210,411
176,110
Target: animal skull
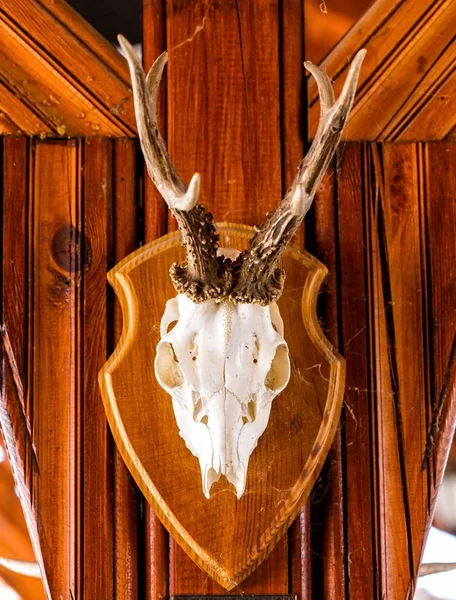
223,364
222,355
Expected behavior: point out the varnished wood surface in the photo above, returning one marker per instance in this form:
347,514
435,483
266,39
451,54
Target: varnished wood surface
155,217
386,219
407,86
59,77
242,180
384,226
123,227
74,83
322,558
221,540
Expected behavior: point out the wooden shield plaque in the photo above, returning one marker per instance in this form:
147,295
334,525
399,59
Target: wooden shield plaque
226,537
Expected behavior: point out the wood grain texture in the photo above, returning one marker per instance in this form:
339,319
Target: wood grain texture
15,423
439,226
382,210
277,483
386,210
126,495
384,206
406,87
236,148
97,485
154,43
74,83
58,76
55,358
291,57
358,442
328,540
155,219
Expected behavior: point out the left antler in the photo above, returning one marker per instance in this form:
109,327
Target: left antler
260,278
204,276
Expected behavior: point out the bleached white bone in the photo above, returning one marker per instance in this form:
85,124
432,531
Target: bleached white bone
223,364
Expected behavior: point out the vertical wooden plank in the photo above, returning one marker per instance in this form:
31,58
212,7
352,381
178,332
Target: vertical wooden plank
224,122
400,372
154,43
97,509
55,357
224,103
14,257
155,224
440,254
14,307
440,207
328,503
359,440
293,119
291,48
13,419
126,495
402,163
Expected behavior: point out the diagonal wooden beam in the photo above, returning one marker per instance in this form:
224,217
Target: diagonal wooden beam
14,540
58,76
407,88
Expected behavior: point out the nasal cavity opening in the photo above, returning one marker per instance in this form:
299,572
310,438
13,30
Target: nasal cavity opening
199,410
171,326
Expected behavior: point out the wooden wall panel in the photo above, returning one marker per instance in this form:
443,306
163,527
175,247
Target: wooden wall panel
398,290
328,540
59,76
155,224
383,223
236,147
96,501
69,212
439,208
386,280
440,222
359,437
55,357
126,498
15,328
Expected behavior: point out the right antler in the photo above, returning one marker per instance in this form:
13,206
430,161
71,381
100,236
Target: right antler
260,278
204,276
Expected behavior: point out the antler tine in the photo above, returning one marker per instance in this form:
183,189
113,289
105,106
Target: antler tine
333,116
204,275
159,166
260,279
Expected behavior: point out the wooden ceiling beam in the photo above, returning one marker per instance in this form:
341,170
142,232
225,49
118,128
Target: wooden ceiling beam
407,84
58,76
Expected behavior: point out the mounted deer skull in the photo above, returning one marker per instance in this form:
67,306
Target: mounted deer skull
222,355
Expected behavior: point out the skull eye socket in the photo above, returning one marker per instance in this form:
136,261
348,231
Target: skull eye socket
279,373
167,369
